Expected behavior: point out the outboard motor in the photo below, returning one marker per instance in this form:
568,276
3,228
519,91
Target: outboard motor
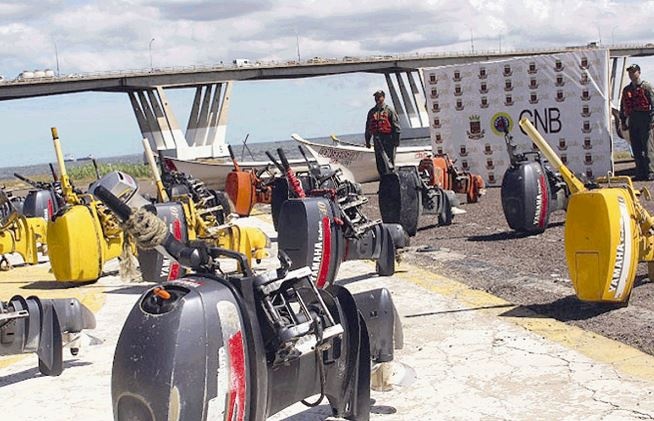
44,201
531,190
239,347
323,224
43,327
404,195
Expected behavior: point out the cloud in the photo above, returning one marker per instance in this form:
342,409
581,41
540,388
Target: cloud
210,10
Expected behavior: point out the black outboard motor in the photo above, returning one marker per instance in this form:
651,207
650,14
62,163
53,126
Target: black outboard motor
329,227
531,190
404,195
239,347
43,326
42,202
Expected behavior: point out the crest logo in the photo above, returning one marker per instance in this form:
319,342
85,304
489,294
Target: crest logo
483,88
588,144
585,111
435,107
560,96
434,92
507,70
489,164
464,164
457,90
439,150
532,70
589,173
484,102
459,104
533,98
508,86
508,101
438,138
584,78
488,150
559,81
587,127
491,178
562,145
475,132
437,123
585,64
500,122
463,151
482,73
564,158
533,83
457,76
585,95
433,79
588,159
558,66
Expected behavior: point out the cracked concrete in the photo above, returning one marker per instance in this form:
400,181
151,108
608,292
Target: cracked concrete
466,357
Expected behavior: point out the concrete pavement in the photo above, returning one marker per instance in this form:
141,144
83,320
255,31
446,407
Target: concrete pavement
468,355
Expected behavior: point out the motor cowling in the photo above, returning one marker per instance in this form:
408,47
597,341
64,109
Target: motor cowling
526,197
40,203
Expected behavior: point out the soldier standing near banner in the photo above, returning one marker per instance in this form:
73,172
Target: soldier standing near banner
636,112
383,127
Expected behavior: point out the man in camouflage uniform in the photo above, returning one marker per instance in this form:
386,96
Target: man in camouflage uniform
636,112
383,127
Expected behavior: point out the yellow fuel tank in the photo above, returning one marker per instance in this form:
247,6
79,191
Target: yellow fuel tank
75,245
602,244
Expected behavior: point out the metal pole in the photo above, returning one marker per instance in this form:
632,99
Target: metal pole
150,48
56,56
297,41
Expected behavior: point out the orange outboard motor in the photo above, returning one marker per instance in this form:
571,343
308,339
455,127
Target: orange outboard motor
443,173
245,188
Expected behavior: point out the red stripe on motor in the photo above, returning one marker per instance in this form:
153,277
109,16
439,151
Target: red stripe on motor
175,268
326,253
545,199
236,398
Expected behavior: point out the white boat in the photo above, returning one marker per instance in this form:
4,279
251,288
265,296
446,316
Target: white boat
360,161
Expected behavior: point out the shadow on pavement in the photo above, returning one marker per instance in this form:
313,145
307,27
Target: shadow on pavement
362,277
58,285
32,373
131,290
462,310
564,309
509,235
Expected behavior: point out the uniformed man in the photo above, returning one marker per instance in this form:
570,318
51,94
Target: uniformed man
383,127
636,112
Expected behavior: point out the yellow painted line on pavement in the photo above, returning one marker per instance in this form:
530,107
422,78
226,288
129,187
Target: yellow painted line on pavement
37,280
621,357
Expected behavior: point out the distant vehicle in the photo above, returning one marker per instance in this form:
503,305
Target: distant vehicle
317,60
240,62
350,58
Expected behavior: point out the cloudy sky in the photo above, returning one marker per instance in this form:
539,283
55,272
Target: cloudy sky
115,34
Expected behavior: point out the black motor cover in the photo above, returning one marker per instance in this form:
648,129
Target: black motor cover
40,203
308,234
400,199
151,262
526,197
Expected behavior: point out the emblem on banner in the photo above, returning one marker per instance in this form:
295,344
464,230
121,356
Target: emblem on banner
586,127
584,78
439,150
562,144
464,164
508,86
585,95
483,88
585,64
437,123
435,107
560,96
532,70
491,178
507,70
508,100
588,159
533,83
588,144
438,138
457,76
558,66
500,122
488,149
434,93
589,172
457,90
459,104
564,158
463,151
475,132
433,79
533,98
489,164
559,81
585,111
484,102
482,73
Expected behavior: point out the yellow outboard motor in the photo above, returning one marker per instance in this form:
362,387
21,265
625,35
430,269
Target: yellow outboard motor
607,231
19,234
83,235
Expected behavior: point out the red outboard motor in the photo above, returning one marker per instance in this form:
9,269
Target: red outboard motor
531,190
238,347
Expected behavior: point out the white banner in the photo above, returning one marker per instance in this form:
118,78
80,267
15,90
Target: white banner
564,96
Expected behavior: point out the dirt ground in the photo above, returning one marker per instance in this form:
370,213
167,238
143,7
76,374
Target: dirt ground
480,250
